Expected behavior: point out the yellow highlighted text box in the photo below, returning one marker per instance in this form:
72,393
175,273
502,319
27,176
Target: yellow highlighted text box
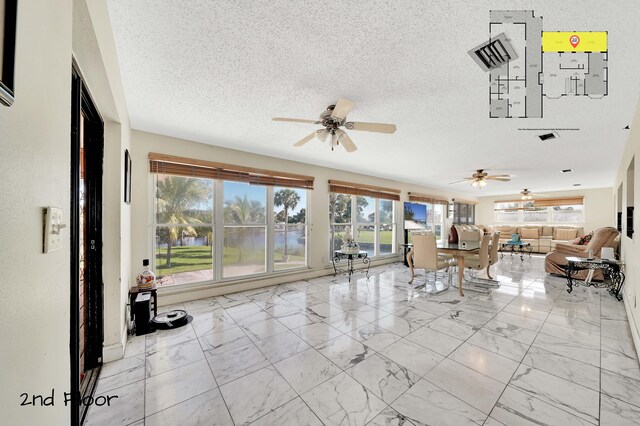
560,41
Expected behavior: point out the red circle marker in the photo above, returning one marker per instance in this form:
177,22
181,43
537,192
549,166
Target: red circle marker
574,40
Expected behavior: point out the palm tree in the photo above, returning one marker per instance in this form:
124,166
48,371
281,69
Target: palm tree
288,198
176,196
242,211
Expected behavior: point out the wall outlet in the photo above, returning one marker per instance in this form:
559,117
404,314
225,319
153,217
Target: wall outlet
52,235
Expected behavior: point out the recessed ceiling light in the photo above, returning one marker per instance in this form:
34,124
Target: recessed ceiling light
567,170
576,184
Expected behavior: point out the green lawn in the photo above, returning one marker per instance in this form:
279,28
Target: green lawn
184,259
195,258
367,237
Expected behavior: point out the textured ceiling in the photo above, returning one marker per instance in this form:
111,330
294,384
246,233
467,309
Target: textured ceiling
218,71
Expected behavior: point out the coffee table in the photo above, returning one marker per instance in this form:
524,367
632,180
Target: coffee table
517,247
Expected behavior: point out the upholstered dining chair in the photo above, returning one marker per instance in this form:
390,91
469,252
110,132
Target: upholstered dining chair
481,261
493,252
424,255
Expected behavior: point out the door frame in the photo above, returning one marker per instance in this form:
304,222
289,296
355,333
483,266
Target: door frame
81,103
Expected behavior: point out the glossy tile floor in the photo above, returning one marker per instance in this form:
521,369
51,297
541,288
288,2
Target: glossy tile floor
377,353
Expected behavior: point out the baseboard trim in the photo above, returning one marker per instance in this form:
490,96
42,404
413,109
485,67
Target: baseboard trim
632,325
175,294
116,351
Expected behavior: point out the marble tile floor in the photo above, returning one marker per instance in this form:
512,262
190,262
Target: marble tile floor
378,352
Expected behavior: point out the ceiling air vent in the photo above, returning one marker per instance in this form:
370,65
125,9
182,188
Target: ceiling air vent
548,136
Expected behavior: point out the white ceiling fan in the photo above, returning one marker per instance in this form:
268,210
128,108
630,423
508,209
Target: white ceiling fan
334,117
526,194
480,177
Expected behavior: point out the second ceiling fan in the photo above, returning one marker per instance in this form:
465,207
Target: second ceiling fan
332,119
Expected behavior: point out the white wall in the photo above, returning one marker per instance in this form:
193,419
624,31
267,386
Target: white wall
34,173
95,52
630,248
599,209
318,218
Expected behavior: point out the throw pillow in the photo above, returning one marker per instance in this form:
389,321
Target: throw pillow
584,240
529,233
565,234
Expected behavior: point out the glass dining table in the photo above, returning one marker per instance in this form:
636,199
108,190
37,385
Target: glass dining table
459,250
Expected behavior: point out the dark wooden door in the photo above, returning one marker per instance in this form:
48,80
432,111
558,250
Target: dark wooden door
87,331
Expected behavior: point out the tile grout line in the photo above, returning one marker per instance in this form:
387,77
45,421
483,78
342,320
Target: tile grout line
409,304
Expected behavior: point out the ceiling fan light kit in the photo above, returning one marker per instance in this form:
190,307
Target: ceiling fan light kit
334,117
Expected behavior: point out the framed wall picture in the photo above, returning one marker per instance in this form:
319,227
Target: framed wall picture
127,177
8,9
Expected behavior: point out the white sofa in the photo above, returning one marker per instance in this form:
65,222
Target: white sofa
543,238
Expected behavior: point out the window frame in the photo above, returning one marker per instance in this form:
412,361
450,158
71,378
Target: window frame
520,209
218,226
354,224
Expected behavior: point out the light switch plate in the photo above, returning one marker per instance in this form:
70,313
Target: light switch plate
53,226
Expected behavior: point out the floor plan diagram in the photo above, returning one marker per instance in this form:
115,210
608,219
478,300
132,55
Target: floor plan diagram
515,90
544,65
574,64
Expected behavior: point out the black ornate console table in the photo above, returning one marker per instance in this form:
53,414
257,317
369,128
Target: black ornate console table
611,269
339,256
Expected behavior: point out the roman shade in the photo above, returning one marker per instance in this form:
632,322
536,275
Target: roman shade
180,166
570,201
364,190
424,198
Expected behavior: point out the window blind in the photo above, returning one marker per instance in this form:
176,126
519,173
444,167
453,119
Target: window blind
364,190
424,198
545,202
180,166
570,201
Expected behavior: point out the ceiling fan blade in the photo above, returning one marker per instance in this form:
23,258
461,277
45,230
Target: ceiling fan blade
305,139
538,195
373,127
347,143
460,181
322,134
296,120
502,178
342,108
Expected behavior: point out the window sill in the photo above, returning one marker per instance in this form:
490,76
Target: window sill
226,282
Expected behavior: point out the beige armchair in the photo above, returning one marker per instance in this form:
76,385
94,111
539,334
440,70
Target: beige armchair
555,261
424,255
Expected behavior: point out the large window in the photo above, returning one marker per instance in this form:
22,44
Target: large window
209,229
370,219
245,229
184,228
464,214
568,210
290,228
